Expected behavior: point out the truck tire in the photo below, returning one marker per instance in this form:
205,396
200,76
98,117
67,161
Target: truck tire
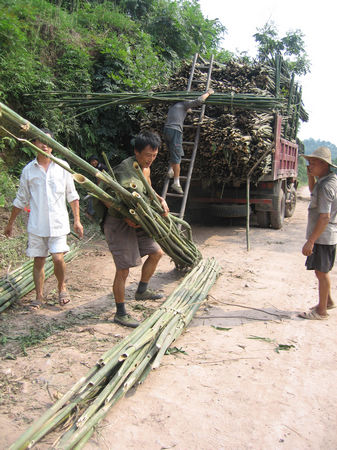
228,210
277,215
263,219
291,205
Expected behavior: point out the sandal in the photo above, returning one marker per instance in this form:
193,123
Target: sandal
64,298
328,307
36,304
312,314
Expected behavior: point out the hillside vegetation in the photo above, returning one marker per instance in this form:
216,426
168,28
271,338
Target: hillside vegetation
88,46
94,46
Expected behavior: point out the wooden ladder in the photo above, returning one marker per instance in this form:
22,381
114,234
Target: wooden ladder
201,64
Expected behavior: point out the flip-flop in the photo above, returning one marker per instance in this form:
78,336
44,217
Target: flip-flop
328,307
35,304
64,298
312,314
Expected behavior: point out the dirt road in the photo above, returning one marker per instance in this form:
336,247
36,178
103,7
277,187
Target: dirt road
252,374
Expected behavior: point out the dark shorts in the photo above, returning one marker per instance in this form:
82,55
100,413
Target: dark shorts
174,141
127,245
322,258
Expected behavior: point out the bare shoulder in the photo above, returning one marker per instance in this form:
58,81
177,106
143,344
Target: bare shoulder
147,174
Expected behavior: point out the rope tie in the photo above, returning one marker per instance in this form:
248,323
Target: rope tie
13,285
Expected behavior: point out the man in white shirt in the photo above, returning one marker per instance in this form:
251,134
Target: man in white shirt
45,186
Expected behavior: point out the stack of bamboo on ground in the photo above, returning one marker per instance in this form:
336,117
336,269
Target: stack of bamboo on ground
19,282
172,234
124,366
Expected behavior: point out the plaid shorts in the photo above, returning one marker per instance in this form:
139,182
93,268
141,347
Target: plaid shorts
322,258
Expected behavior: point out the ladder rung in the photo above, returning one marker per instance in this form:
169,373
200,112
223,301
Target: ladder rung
186,159
169,194
198,81
195,110
175,214
188,143
189,126
202,66
183,177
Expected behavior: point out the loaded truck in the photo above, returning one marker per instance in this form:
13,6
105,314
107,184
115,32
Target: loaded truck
272,199
240,146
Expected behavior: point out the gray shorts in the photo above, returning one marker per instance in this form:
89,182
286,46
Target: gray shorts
174,141
322,258
127,245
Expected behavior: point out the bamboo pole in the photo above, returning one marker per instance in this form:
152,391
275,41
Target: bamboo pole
94,396
180,249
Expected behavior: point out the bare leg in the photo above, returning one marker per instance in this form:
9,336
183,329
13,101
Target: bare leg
39,277
176,170
150,266
331,303
60,271
324,287
119,285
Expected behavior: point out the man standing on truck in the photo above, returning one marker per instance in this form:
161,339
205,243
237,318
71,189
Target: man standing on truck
320,247
173,135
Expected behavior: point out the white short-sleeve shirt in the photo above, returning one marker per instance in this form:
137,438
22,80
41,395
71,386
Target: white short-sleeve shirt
46,194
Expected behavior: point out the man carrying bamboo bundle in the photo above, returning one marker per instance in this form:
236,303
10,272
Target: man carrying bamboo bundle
320,247
46,186
173,135
127,242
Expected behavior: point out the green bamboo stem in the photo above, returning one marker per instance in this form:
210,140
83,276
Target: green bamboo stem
139,370
52,423
93,421
131,201
160,330
29,130
81,443
114,384
25,438
20,289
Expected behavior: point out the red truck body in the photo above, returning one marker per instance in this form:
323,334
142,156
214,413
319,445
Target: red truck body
272,199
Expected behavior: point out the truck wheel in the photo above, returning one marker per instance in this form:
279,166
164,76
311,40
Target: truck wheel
263,219
228,210
277,216
291,205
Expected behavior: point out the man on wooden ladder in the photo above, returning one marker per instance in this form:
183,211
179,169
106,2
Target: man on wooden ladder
173,135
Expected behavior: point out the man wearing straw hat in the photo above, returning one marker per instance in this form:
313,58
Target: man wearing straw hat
321,235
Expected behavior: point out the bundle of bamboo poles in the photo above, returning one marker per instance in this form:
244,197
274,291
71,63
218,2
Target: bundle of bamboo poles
171,233
20,281
89,101
125,365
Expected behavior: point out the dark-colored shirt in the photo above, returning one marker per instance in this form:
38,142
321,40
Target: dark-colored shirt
177,113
